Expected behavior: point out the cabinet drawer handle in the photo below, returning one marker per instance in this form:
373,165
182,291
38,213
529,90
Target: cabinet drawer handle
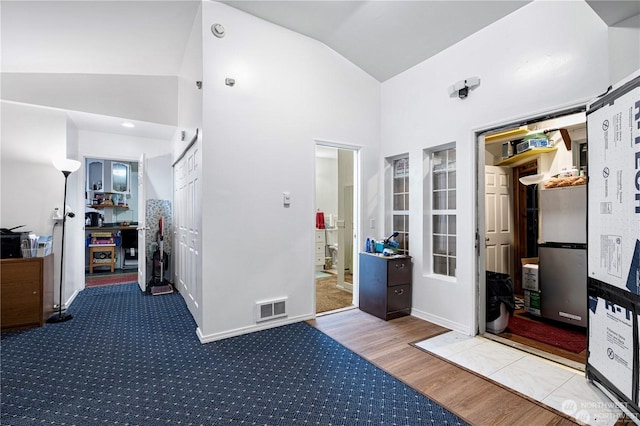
400,266
399,292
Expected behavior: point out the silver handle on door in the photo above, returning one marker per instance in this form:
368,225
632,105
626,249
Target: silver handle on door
400,266
399,292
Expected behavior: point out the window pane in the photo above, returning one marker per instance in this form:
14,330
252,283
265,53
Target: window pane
406,201
401,167
398,202
439,180
399,223
452,158
440,200
439,160
452,246
439,224
398,185
403,242
452,266
452,224
451,195
440,265
439,244
451,179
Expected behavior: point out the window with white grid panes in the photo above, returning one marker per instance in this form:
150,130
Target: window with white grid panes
400,211
443,208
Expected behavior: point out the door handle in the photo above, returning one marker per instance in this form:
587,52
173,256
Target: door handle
400,266
399,292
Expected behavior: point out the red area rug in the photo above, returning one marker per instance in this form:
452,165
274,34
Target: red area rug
570,340
99,280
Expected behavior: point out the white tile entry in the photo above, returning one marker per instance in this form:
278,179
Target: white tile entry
553,384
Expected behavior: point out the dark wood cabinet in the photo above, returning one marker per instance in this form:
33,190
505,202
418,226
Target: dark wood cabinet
26,292
385,285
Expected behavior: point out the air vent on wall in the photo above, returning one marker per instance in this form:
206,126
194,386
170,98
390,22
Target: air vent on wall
271,309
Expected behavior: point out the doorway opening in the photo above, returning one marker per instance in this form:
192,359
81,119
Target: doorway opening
110,216
336,227
518,166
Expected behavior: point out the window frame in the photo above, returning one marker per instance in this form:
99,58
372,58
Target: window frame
403,214
443,236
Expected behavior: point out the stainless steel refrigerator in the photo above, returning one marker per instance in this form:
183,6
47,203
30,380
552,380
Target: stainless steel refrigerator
562,254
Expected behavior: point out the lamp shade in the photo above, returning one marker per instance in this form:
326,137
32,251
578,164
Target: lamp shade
66,164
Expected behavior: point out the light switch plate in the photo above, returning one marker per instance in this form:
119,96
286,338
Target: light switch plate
286,199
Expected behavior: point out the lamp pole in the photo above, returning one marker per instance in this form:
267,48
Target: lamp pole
66,167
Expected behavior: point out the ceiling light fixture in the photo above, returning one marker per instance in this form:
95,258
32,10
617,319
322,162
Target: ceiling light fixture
128,125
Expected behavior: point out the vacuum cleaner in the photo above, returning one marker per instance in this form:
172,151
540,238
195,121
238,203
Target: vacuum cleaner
158,285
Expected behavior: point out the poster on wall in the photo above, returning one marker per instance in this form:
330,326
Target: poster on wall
614,191
611,343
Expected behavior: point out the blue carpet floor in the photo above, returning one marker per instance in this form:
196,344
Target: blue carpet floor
133,359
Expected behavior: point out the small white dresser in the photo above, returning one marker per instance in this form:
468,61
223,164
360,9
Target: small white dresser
321,243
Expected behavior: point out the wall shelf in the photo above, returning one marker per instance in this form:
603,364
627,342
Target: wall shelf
524,155
109,206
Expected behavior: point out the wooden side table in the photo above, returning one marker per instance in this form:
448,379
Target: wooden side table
109,252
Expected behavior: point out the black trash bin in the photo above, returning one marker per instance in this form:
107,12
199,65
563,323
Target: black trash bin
499,291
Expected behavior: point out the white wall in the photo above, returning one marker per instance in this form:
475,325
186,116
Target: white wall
189,96
258,141
31,186
327,186
136,97
522,72
624,49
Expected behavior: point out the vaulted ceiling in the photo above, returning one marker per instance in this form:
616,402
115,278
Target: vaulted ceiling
148,37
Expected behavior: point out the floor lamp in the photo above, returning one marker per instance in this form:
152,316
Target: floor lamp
66,166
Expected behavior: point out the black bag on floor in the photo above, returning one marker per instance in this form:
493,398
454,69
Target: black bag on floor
499,290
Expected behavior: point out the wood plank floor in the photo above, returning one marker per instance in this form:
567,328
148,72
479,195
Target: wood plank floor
387,344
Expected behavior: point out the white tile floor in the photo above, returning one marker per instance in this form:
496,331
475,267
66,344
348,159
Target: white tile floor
563,388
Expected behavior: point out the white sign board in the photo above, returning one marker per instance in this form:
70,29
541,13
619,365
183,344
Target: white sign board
611,343
614,193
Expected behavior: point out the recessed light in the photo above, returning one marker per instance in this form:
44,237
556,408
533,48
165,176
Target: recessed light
128,125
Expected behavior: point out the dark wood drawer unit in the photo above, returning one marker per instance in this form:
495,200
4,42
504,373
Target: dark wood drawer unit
26,292
385,285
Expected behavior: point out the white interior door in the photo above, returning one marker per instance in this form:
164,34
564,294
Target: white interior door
498,219
142,224
187,222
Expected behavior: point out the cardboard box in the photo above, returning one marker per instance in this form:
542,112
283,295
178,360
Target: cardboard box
532,302
530,273
530,279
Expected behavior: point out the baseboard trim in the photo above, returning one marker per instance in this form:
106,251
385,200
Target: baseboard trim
443,322
250,329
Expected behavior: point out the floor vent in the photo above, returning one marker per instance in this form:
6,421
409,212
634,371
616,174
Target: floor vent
271,309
